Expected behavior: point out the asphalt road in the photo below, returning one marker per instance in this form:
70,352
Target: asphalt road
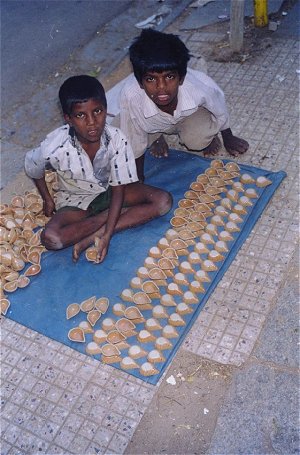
38,36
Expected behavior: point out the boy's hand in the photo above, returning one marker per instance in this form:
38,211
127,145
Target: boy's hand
49,207
159,148
101,244
234,145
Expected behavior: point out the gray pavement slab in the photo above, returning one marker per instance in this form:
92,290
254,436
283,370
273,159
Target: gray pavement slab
216,11
260,414
261,410
289,26
279,341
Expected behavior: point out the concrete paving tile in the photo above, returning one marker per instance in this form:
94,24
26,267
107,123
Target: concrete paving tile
228,341
13,357
64,437
54,394
28,382
222,355
5,447
59,414
87,370
103,436
237,358
44,407
15,451
88,429
102,375
77,385
118,444
9,410
111,420
95,449
55,449
73,422
206,350
67,400
21,416
256,319
79,445
120,404
234,328
83,407
49,431
35,424
219,323
6,370
245,345
12,432
136,411
213,336
41,388
97,413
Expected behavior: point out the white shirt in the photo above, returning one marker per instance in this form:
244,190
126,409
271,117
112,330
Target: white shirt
79,179
139,115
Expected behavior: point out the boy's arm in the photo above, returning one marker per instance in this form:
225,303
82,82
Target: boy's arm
49,206
114,211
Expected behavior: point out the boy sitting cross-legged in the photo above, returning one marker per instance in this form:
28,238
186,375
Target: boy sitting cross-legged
98,190
165,97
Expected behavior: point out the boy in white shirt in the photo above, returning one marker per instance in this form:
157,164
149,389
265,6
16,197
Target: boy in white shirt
165,97
98,193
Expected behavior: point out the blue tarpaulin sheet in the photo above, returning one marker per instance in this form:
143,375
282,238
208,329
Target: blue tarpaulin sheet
41,306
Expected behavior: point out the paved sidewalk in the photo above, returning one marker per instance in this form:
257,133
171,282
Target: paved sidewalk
236,373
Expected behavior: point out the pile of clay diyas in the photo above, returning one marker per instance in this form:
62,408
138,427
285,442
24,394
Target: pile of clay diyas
168,287
20,244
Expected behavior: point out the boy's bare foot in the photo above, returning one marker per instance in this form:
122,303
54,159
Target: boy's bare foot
159,148
213,148
79,247
236,146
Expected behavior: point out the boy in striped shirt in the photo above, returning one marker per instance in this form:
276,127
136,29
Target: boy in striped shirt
99,192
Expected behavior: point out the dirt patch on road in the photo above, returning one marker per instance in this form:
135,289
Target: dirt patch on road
182,415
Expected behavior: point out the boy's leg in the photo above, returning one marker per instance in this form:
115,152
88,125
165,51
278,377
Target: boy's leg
142,204
68,227
199,131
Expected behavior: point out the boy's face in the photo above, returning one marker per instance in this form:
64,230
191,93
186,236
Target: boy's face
88,121
162,88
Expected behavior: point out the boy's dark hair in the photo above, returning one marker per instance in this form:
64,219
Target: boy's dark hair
79,89
157,51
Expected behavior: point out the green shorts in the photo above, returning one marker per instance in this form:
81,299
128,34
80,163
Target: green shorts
99,204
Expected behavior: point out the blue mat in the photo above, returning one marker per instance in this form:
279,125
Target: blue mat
42,305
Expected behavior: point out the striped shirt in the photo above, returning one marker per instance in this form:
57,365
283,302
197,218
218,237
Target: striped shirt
139,115
79,179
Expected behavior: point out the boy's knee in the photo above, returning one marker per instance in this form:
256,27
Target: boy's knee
51,240
165,203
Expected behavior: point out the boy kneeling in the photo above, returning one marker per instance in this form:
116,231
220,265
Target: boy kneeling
165,97
98,193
